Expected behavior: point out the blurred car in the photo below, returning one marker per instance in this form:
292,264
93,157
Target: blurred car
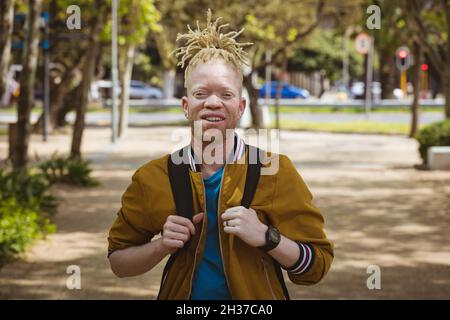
12,92
142,90
357,90
287,91
101,89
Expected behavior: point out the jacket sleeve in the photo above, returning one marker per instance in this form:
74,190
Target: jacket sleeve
294,214
132,226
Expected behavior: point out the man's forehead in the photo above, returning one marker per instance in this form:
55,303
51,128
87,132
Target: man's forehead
214,72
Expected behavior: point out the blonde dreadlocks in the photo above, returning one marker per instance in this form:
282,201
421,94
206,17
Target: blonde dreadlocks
209,44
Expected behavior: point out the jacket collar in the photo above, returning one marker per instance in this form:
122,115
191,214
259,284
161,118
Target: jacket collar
239,151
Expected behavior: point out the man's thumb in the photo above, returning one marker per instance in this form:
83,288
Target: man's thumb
197,218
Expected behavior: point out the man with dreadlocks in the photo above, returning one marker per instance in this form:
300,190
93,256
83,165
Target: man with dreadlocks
224,249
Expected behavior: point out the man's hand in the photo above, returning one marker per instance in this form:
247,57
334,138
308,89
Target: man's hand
177,231
244,223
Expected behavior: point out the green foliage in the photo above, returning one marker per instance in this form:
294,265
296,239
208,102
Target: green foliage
136,19
324,51
25,210
75,171
26,204
435,134
18,227
29,190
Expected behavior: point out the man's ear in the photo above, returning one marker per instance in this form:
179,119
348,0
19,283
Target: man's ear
242,105
184,105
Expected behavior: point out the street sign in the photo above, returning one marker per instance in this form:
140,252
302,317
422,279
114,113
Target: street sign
363,43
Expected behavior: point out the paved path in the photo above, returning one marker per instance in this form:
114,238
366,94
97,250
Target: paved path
104,118
378,211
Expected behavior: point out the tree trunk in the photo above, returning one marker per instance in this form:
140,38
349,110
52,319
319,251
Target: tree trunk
446,82
253,103
280,79
70,101
57,95
71,98
415,104
277,101
27,79
57,98
387,74
446,90
125,71
6,28
88,76
169,83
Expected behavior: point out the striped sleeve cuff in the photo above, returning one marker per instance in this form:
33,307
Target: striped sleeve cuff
305,260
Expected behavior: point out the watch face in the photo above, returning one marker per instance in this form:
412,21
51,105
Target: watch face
274,235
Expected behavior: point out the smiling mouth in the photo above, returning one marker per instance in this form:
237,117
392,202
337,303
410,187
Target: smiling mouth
213,119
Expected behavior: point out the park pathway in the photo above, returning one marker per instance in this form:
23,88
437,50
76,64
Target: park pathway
378,211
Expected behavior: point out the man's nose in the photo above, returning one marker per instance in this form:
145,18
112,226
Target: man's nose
213,101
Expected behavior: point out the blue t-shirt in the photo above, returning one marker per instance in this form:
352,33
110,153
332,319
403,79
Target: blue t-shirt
209,280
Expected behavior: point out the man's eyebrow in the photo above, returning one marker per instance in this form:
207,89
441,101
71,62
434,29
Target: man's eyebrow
225,88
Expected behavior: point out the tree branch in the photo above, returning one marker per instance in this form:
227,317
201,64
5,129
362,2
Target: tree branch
435,58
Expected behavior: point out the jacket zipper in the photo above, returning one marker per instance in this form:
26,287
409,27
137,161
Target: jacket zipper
219,226
201,232
267,278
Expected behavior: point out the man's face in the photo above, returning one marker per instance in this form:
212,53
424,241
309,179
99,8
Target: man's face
214,96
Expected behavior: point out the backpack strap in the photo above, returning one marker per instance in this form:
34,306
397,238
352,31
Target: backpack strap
254,164
252,177
180,184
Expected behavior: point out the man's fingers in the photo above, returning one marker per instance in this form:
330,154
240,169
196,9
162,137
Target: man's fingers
178,228
232,223
176,236
183,221
227,215
174,243
197,218
232,230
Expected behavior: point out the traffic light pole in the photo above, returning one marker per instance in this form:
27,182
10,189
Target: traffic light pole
403,81
403,62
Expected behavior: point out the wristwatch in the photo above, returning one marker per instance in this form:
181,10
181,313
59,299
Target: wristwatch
272,239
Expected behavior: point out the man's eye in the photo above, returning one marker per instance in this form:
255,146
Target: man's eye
228,95
199,94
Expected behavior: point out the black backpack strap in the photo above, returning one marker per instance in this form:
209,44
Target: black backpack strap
254,155
180,184
252,177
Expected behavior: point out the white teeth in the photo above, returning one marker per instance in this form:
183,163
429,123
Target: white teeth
214,119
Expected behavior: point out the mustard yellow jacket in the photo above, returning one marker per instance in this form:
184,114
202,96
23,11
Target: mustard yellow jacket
281,199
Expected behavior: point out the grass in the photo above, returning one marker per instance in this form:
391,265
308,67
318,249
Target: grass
350,109
99,109
3,131
96,107
348,127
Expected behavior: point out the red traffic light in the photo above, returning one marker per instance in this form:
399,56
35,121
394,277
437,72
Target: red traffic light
424,67
403,58
402,54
